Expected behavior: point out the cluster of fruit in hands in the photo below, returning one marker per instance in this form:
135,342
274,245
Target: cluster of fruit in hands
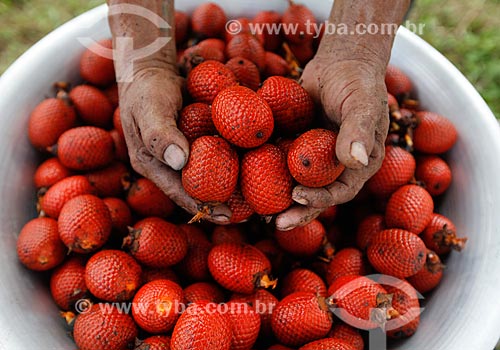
111,236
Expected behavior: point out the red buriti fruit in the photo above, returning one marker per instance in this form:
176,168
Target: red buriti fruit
245,325
265,180
434,173
303,241
397,253
312,160
246,72
397,82
156,342
279,347
228,234
213,42
347,334
302,280
430,275
392,102
194,266
327,216
242,117
269,19
196,121
300,318
434,134
49,120
54,199
50,172
208,20
109,181
156,306
203,291
112,275
397,170
292,107
367,228
182,24
405,302
85,148
202,327
247,46
197,54
146,199
240,268
39,247
303,52
409,208
264,304
67,283
360,301
121,151
156,243
284,145
275,65
117,121
104,328
112,94
149,275
92,105
240,209
209,78
328,344
95,67
84,223
302,18
440,235
244,28
121,217
211,173
346,262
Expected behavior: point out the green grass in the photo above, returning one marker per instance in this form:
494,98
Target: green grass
464,31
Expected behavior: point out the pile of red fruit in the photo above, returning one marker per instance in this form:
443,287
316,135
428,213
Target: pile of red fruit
112,237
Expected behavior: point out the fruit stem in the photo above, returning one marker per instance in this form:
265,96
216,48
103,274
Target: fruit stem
204,211
68,316
433,263
384,310
266,282
448,238
292,61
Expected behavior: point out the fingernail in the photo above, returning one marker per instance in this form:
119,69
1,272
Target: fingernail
297,197
175,157
358,152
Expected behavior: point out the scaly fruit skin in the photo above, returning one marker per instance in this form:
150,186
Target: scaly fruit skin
67,283
209,78
54,199
302,17
194,266
367,228
197,54
146,199
405,302
312,160
39,247
397,82
117,121
328,344
292,107
121,151
265,181
213,42
272,41
247,46
246,72
85,148
196,121
245,325
242,117
275,65
430,275
182,26
104,329
228,234
264,304
348,334
397,253
240,268
49,120
121,216
156,342
434,134
157,243
211,173
434,173
240,209
347,261
155,306
112,275
397,170
95,68
300,318
303,241
302,280
149,275
109,181
440,235
409,208
303,52
92,105
200,328
203,291
244,25
84,224
208,20
50,172
111,93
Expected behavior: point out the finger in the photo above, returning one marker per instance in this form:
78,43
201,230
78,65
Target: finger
296,216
